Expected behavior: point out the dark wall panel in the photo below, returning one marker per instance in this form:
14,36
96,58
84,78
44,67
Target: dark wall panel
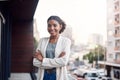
5,42
22,47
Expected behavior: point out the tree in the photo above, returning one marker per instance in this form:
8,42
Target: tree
95,54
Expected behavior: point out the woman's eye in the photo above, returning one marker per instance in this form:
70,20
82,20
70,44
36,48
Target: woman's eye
49,25
55,25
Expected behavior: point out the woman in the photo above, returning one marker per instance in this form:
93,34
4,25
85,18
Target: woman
52,53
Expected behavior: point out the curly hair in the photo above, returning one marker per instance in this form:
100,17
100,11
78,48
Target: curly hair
59,20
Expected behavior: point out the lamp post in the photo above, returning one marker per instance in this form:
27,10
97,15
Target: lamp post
96,46
104,60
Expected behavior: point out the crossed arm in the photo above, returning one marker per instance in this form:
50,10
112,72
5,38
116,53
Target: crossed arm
60,61
39,56
40,61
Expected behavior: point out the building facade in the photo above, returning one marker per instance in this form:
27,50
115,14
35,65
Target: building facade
113,39
16,42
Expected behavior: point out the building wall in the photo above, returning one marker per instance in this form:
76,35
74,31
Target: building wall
113,30
117,29
110,30
113,38
22,47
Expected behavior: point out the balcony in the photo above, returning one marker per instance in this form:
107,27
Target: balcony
116,6
116,22
117,48
117,19
117,35
117,61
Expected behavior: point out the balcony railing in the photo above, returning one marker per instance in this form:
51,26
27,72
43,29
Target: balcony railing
117,48
117,35
117,61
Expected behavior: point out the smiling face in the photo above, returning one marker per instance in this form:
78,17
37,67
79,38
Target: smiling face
54,28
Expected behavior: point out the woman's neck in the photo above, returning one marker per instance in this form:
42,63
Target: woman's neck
53,39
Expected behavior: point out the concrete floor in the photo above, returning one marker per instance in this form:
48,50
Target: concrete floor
20,76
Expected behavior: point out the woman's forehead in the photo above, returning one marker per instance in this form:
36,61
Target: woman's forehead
53,22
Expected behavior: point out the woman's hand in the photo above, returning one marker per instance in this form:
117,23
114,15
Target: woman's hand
61,54
38,55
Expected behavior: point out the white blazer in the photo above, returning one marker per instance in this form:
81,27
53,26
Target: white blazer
63,44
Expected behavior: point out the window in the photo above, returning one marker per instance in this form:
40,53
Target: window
117,43
110,55
109,43
117,30
117,74
117,18
117,56
116,7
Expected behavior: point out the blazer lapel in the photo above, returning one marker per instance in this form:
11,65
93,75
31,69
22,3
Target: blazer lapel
57,47
46,43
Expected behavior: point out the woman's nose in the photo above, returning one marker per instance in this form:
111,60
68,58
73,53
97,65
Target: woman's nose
52,27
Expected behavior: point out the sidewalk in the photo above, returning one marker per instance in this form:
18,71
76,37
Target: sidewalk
20,76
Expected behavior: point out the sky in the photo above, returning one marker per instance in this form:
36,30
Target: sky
84,16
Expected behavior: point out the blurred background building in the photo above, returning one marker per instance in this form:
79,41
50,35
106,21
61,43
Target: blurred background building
113,39
95,39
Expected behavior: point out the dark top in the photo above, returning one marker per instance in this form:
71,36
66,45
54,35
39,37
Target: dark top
50,53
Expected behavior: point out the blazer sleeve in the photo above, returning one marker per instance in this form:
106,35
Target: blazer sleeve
36,62
59,62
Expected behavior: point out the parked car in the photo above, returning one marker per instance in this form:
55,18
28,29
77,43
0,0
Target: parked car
106,78
102,72
91,75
